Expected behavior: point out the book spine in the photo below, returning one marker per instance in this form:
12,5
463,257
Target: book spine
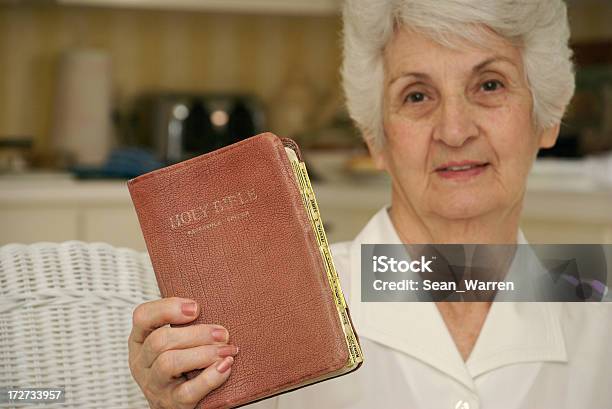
312,208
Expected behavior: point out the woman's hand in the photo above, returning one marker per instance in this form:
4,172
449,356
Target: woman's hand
159,355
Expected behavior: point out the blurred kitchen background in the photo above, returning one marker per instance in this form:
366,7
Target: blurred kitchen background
93,92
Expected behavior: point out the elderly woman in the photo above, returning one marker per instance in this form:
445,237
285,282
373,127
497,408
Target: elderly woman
454,98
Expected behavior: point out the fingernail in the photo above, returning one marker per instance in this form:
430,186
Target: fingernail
227,350
225,364
220,335
189,309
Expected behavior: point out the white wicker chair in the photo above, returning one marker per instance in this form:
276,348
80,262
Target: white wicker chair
65,316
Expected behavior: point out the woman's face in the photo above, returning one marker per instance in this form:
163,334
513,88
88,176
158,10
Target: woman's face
460,138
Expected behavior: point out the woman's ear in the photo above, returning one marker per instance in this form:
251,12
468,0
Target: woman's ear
376,152
549,136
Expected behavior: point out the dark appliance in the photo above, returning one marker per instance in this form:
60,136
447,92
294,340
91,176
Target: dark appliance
180,126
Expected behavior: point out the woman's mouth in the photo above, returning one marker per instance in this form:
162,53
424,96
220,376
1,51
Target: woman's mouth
462,170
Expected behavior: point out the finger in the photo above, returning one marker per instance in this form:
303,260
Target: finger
172,364
151,315
194,390
166,339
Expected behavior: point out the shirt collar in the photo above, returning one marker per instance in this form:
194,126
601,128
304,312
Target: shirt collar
512,333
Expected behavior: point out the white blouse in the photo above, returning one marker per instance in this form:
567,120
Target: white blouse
528,355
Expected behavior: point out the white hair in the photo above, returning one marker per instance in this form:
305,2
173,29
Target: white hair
539,27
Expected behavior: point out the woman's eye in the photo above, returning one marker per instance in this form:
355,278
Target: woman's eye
415,97
491,85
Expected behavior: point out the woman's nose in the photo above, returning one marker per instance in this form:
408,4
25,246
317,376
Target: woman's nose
455,121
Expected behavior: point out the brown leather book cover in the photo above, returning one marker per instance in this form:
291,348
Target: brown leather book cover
232,230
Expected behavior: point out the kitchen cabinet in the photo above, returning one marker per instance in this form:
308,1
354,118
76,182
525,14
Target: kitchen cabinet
57,208
54,207
312,7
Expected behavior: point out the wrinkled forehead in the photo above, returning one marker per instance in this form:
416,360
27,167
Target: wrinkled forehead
419,49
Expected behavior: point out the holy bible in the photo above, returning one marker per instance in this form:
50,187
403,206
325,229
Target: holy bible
239,231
